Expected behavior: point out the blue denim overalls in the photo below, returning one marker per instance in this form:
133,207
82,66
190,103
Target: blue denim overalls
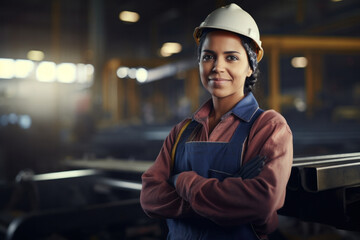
214,160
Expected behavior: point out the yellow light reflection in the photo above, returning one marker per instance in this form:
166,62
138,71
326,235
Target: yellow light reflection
46,72
66,72
35,55
128,16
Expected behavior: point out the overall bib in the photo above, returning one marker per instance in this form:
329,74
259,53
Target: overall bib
211,160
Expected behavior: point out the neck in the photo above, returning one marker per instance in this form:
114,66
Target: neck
223,105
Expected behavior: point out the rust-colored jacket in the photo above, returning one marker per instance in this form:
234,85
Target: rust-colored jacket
234,200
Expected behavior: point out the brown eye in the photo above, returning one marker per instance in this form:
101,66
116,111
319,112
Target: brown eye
207,57
232,58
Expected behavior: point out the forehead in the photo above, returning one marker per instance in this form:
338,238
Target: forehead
222,39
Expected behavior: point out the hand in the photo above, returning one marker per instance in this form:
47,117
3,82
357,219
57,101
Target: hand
172,180
252,168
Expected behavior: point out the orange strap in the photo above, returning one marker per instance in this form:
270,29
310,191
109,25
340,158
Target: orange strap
173,151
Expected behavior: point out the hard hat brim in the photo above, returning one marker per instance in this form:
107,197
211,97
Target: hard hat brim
198,31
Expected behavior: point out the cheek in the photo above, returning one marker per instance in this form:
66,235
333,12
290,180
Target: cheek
202,71
203,75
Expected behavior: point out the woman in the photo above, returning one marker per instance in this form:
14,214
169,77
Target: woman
223,173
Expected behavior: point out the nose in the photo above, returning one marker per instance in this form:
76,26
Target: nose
219,66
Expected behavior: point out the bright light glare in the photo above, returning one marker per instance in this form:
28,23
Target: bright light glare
300,105
35,55
65,174
132,73
25,121
299,62
127,16
336,0
46,72
7,68
12,118
66,72
85,73
170,48
4,120
122,72
141,75
23,68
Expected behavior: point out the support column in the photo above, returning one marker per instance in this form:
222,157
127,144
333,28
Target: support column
192,88
274,85
96,46
133,98
310,85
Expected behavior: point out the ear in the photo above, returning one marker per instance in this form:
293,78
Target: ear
249,72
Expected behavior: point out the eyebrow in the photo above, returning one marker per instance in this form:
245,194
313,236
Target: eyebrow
226,52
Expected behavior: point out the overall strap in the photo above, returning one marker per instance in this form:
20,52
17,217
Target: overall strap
184,132
256,115
242,132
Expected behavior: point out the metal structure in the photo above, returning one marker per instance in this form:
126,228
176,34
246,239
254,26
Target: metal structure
322,189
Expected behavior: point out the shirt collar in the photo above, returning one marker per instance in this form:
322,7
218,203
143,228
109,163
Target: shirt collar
244,109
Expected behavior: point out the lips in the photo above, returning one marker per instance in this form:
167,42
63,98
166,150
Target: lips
219,80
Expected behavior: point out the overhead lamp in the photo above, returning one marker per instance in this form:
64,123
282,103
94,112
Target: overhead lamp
122,72
128,16
66,72
23,68
170,48
132,73
141,75
46,72
7,68
35,55
85,73
299,62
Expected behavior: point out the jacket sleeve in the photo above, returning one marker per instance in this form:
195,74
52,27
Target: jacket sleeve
158,198
237,201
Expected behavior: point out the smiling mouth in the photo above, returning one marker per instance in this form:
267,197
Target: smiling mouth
219,80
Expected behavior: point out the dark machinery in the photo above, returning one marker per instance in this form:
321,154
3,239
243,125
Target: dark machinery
103,196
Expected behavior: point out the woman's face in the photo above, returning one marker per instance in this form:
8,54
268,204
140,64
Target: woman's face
224,65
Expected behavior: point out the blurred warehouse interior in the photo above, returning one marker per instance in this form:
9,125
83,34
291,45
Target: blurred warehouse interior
92,79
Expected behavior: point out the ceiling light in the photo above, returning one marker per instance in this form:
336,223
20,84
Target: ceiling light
66,72
122,72
299,62
132,73
23,68
35,55
46,72
7,68
170,48
128,16
141,75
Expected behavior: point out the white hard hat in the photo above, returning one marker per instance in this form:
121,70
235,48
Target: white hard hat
234,19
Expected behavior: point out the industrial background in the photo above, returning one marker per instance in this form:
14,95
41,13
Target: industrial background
89,89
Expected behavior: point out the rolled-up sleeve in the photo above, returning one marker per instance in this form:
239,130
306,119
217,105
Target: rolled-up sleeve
158,198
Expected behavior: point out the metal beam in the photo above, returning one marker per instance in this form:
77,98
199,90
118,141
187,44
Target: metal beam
296,43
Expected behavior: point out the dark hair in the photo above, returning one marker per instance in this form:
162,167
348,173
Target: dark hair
250,49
